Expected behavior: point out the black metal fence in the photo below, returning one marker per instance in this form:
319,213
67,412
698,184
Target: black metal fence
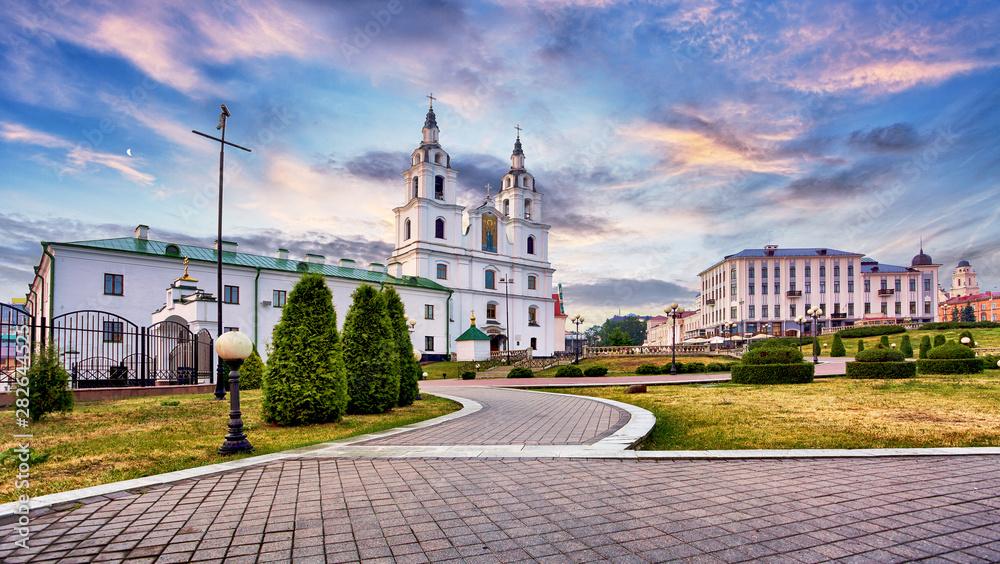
104,350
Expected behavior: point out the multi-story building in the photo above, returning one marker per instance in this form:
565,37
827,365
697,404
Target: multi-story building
965,292
765,290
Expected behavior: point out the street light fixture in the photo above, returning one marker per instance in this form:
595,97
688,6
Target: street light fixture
815,313
576,345
802,323
233,348
673,310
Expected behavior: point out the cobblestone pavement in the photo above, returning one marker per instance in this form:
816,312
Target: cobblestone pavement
305,510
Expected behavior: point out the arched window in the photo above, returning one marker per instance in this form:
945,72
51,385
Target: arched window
491,280
534,343
507,183
439,228
506,207
527,209
437,158
439,187
406,229
533,315
531,245
442,272
532,282
416,186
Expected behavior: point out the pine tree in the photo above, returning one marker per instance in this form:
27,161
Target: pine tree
408,367
861,345
906,347
48,385
968,314
304,381
252,372
838,346
925,346
370,354
884,342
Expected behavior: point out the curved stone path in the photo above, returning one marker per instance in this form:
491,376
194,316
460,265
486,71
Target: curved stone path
576,502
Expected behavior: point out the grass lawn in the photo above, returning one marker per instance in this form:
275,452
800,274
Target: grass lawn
928,411
108,441
985,338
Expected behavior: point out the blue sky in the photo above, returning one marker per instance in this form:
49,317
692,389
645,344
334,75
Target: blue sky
663,135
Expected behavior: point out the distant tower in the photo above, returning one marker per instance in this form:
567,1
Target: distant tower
963,281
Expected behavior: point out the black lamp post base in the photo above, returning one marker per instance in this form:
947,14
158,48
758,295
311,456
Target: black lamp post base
235,446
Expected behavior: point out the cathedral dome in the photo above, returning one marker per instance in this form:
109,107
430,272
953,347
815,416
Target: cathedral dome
962,263
922,259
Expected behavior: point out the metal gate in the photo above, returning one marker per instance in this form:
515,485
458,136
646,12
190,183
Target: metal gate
15,330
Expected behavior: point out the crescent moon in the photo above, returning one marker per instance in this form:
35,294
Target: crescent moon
128,152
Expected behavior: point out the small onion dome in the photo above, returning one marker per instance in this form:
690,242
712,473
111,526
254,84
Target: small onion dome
962,263
922,259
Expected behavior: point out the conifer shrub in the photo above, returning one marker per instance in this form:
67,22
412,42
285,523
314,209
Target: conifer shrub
855,332
925,346
880,363
252,372
594,371
972,340
647,369
990,361
370,356
406,364
522,372
906,347
569,371
772,364
47,385
861,345
838,346
467,375
719,367
679,366
950,358
691,367
884,342
304,381
939,340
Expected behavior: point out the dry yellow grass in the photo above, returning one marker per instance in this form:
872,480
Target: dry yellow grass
928,411
109,441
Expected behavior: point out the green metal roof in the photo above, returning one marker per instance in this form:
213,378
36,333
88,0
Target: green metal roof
473,334
204,254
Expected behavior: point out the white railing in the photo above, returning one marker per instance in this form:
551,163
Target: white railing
984,351
664,350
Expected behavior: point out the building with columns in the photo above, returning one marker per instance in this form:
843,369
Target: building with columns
493,256
765,290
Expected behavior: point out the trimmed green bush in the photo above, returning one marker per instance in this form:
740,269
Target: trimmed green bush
252,372
370,354
594,371
906,347
469,375
949,365
785,341
990,361
972,340
950,350
772,353
406,364
838,346
679,366
48,385
884,341
801,373
939,340
522,372
647,369
879,355
855,332
949,325
569,371
719,366
881,370
691,367
861,345
925,346
304,381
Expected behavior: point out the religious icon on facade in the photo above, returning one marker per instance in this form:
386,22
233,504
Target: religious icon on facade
489,233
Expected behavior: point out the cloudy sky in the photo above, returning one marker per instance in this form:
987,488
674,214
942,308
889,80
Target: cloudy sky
664,135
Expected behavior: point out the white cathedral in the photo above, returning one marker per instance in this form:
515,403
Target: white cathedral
448,264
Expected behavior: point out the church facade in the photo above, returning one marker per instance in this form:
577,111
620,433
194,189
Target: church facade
493,256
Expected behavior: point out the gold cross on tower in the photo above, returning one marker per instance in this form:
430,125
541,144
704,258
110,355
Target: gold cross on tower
487,190
518,128
431,96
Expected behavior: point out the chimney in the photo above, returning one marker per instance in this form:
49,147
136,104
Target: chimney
376,267
142,232
282,254
227,246
315,259
346,263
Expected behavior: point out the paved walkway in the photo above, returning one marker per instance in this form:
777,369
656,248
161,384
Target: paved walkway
596,504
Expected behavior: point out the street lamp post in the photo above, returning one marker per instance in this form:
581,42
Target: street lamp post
802,322
506,281
815,313
220,393
673,310
233,348
576,345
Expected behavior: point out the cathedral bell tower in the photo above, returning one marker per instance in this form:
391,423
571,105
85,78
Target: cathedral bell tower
521,203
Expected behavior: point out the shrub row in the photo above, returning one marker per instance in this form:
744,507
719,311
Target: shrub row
990,361
947,325
949,365
469,375
878,370
855,332
801,373
569,371
685,368
595,371
784,341
521,372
